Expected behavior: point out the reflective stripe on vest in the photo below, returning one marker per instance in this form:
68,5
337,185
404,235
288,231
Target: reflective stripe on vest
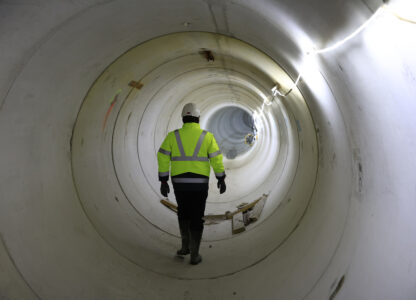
219,175
211,155
190,180
163,151
195,156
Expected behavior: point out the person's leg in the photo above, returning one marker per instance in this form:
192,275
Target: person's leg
184,220
197,201
197,224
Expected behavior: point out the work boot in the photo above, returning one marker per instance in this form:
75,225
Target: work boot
184,229
194,247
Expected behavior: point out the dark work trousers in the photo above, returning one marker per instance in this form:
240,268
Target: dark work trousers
191,206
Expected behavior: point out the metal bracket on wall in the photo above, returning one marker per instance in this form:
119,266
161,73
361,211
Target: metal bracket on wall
136,84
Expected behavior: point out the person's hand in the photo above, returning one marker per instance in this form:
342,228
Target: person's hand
221,185
164,188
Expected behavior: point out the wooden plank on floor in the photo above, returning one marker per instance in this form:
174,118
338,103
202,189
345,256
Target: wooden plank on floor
257,209
170,205
238,223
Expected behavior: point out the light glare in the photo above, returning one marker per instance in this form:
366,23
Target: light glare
399,6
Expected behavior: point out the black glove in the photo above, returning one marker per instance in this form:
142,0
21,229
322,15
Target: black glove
221,185
164,188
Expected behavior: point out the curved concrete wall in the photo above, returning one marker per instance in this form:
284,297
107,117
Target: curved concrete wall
80,216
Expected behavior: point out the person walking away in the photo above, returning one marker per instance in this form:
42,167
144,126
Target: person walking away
189,153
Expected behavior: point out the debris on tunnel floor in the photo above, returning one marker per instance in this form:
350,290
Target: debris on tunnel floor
170,205
245,214
238,223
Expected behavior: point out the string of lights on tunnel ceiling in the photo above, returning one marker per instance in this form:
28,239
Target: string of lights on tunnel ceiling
313,51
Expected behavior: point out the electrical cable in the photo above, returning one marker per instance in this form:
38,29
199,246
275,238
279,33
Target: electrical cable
398,16
350,36
275,90
384,7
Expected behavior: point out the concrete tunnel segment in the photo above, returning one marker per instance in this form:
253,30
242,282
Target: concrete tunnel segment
67,229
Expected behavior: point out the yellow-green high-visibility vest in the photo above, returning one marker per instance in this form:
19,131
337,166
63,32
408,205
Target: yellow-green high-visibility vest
189,149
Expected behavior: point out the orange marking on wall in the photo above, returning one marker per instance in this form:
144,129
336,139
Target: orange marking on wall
109,110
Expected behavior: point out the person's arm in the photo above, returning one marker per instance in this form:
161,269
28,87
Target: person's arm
163,160
215,158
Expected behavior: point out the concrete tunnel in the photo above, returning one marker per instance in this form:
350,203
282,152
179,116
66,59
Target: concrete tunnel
89,89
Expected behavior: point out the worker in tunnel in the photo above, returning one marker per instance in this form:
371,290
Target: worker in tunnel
189,152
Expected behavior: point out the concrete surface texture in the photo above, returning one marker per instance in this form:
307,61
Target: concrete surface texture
89,89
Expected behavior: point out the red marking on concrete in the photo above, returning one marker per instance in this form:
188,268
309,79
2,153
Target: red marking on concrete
109,110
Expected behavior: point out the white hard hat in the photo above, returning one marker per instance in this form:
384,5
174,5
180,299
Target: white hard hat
190,110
